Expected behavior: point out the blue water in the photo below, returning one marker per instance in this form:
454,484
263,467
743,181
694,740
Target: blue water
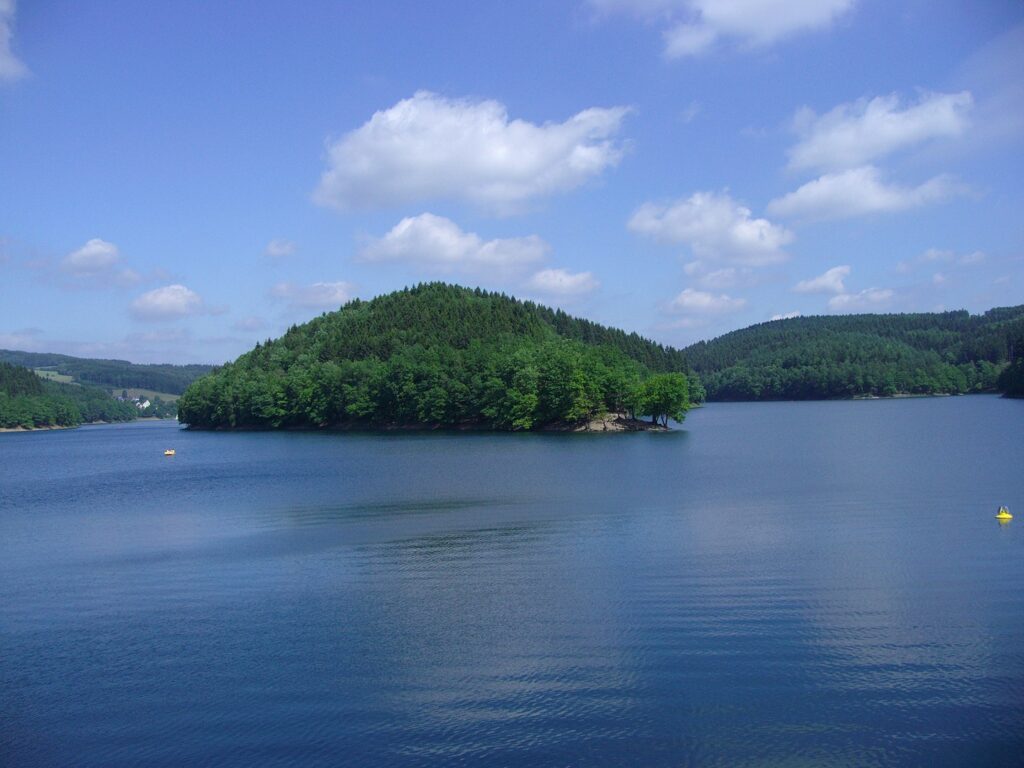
775,584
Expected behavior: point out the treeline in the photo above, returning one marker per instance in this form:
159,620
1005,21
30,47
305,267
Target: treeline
111,374
440,355
27,401
861,355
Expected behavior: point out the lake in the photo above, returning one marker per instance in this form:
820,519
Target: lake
775,584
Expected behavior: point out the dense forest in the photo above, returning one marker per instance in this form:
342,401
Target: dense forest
30,402
1011,382
806,358
441,355
111,374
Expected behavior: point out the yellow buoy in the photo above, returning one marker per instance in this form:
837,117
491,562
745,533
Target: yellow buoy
169,452
1003,514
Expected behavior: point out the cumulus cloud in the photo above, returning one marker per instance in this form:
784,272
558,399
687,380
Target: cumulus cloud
869,298
167,303
279,248
786,315
92,258
700,302
429,147
438,245
97,264
857,192
561,282
855,133
11,67
715,227
829,282
694,27
316,296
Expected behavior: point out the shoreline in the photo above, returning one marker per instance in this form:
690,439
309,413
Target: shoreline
612,422
56,427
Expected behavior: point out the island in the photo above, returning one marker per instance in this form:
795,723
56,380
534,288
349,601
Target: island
439,356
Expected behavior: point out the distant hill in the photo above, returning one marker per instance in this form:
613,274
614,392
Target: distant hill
864,355
440,355
111,374
29,402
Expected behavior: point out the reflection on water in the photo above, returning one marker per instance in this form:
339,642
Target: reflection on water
779,584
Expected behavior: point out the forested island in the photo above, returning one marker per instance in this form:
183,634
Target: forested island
29,402
438,355
843,356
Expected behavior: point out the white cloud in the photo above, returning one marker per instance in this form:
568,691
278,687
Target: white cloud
688,40
167,303
695,26
829,282
857,192
938,278
940,256
855,133
715,227
870,298
699,302
438,245
720,279
94,257
98,264
278,248
315,296
430,147
561,282
786,315
11,67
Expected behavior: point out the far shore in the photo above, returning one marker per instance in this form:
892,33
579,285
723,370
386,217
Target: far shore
52,427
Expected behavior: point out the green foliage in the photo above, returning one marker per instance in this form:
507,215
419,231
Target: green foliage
433,355
111,374
859,355
663,396
1011,381
30,402
16,381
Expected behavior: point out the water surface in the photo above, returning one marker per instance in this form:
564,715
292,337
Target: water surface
774,584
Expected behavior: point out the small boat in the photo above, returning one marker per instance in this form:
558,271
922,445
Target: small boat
1003,514
169,452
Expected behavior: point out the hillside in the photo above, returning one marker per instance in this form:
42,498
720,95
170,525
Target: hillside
110,374
440,355
861,355
29,402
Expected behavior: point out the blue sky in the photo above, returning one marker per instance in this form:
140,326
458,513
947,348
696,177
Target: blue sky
180,180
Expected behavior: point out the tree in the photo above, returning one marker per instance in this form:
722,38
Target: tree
663,396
